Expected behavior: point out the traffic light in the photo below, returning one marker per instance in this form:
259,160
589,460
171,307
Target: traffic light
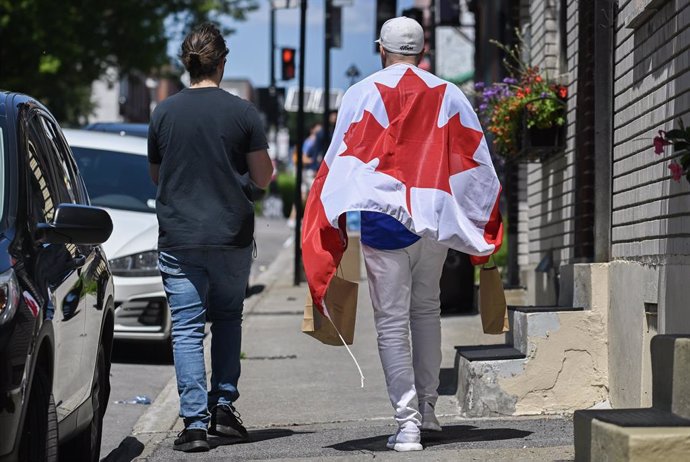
287,58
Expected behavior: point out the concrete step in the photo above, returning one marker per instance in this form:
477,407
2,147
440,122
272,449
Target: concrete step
661,432
554,361
646,434
533,321
671,373
489,352
543,308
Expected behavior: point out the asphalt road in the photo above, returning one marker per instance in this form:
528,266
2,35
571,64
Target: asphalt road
143,369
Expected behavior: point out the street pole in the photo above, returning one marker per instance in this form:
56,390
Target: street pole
273,47
300,141
326,70
272,87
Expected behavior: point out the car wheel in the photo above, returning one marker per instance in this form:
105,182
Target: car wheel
40,435
86,446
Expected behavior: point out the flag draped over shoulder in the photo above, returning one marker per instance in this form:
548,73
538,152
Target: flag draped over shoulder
407,144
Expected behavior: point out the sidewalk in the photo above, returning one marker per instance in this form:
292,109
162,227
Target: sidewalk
302,400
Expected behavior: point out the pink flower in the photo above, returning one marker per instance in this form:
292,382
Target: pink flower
676,170
659,142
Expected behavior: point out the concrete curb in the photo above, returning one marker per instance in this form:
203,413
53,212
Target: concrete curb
162,416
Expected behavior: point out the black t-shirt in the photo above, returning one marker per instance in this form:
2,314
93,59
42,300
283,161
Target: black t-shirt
201,137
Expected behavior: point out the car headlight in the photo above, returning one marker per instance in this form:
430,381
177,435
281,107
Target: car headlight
9,296
137,265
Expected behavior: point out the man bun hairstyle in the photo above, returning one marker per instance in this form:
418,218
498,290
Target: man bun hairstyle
202,51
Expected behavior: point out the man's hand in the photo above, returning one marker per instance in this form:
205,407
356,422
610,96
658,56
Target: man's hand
154,170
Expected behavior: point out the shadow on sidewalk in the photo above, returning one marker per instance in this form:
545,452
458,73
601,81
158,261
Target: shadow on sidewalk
255,436
448,381
450,434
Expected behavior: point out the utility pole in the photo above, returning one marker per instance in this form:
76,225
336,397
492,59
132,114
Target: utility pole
326,69
272,87
300,141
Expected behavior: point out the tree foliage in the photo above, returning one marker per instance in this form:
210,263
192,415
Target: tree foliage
54,50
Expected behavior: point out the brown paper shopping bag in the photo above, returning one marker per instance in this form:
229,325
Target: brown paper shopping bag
492,301
341,302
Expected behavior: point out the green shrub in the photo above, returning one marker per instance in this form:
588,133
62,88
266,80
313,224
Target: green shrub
286,189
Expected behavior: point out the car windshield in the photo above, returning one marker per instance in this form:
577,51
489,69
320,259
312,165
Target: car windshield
116,179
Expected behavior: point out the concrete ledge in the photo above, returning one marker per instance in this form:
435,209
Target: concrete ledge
489,352
671,373
543,308
554,362
583,422
633,444
479,390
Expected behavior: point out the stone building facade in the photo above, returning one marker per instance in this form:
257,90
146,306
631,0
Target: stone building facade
602,224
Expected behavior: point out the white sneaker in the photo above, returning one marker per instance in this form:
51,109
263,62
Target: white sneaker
405,439
429,420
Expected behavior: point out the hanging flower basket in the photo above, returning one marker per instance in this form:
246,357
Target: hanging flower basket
539,144
524,114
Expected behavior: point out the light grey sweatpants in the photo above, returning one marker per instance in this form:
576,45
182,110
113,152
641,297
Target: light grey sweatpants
404,288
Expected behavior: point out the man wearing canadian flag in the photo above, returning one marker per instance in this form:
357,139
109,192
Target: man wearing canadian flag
409,152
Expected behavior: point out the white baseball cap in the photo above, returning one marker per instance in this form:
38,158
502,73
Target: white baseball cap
402,35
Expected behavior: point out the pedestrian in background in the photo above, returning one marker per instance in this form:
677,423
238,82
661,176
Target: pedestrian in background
310,165
205,148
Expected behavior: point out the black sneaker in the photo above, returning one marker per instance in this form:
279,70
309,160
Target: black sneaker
226,421
193,440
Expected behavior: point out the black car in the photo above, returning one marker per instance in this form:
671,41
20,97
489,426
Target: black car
56,294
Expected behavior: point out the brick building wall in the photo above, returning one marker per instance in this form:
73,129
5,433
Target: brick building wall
648,254
546,226
651,217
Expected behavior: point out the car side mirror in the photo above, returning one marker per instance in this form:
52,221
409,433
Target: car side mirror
77,224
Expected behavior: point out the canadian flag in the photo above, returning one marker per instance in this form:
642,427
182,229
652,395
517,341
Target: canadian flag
407,144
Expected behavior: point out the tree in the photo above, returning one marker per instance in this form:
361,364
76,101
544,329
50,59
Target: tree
54,50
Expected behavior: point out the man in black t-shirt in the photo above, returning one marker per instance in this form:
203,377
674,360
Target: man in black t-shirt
206,148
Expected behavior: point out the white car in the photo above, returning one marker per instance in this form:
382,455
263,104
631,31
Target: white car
115,170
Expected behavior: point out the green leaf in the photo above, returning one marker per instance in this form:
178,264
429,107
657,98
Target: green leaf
675,133
685,160
49,64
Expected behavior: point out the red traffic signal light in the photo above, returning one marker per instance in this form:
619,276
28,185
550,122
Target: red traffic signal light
287,58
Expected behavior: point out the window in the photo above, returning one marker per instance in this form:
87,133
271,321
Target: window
41,193
67,181
117,179
563,37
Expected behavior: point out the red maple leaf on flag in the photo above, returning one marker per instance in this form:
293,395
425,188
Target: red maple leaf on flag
413,148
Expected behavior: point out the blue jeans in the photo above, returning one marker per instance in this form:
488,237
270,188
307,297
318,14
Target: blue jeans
203,284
